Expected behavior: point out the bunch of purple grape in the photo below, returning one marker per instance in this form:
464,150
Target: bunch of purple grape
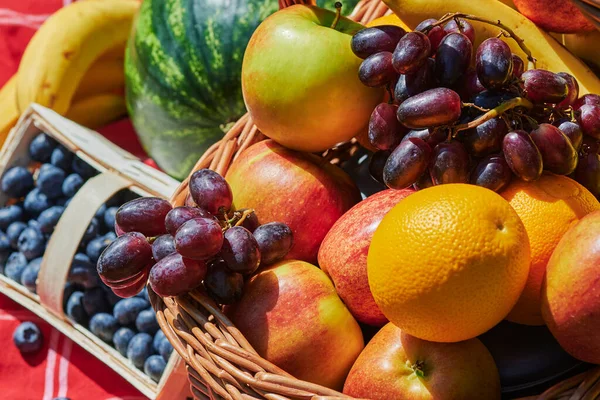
203,242
449,122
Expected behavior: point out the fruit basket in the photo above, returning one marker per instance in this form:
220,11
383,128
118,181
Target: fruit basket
116,171
221,363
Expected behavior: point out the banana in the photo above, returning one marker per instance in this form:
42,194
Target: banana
548,52
585,45
65,47
8,108
96,111
104,76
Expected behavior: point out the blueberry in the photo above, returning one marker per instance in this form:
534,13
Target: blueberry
95,302
109,217
61,158
33,223
143,294
104,326
30,274
49,218
95,247
146,322
154,367
10,214
36,202
83,274
81,258
158,338
121,339
50,180
165,348
70,288
82,168
92,231
41,147
75,308
15,265
31,243
17,181
100,213
28,338
63,201
112,298
72,184
110,236
139,349
127,310
5,249
13,232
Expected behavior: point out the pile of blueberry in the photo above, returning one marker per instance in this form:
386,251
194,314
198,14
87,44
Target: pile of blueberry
39,193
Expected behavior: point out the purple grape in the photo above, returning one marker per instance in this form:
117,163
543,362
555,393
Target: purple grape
491,99
518,66
573,131
376,39
431,136
592,99
423,182
125,258
406,163
377,70
558,154
572,90
590,145
465,28
410,84
175,275
275,240
251,221
224,286
210,191
435,35
449,163
492,172
469,85
145,215
543,86
588,173
522,155
485,138
240,250
377,163
589,120
494,63
162,247
411,52
385,132
180,215
434,107
199,238
452,58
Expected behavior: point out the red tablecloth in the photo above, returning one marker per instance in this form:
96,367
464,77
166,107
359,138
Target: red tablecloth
62,368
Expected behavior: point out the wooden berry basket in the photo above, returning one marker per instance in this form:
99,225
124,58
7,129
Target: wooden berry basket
118,170
220,361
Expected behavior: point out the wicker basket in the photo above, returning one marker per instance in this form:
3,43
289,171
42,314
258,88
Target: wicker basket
220,361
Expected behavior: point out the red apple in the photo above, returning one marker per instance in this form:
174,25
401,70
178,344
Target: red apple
571,290
560,16
291,314
343,253
395,365
301,190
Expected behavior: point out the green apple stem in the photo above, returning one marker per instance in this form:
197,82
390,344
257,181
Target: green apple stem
338,14
493,113
506,31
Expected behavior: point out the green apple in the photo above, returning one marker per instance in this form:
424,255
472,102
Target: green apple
300,79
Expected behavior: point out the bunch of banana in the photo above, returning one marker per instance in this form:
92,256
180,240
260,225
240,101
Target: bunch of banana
74,65
550,54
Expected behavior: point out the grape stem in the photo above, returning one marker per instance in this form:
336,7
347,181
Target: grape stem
338,14
475,106
245,214
506,31
493,113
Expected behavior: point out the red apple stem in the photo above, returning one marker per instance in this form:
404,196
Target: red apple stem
493,113
417,367
338,14
506,31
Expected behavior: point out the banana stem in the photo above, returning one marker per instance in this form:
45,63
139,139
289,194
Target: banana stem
338,14
493,113
507,31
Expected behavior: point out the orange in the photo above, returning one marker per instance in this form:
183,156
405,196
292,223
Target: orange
548,207
449,262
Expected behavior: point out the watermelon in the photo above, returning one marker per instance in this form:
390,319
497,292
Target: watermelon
182,66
